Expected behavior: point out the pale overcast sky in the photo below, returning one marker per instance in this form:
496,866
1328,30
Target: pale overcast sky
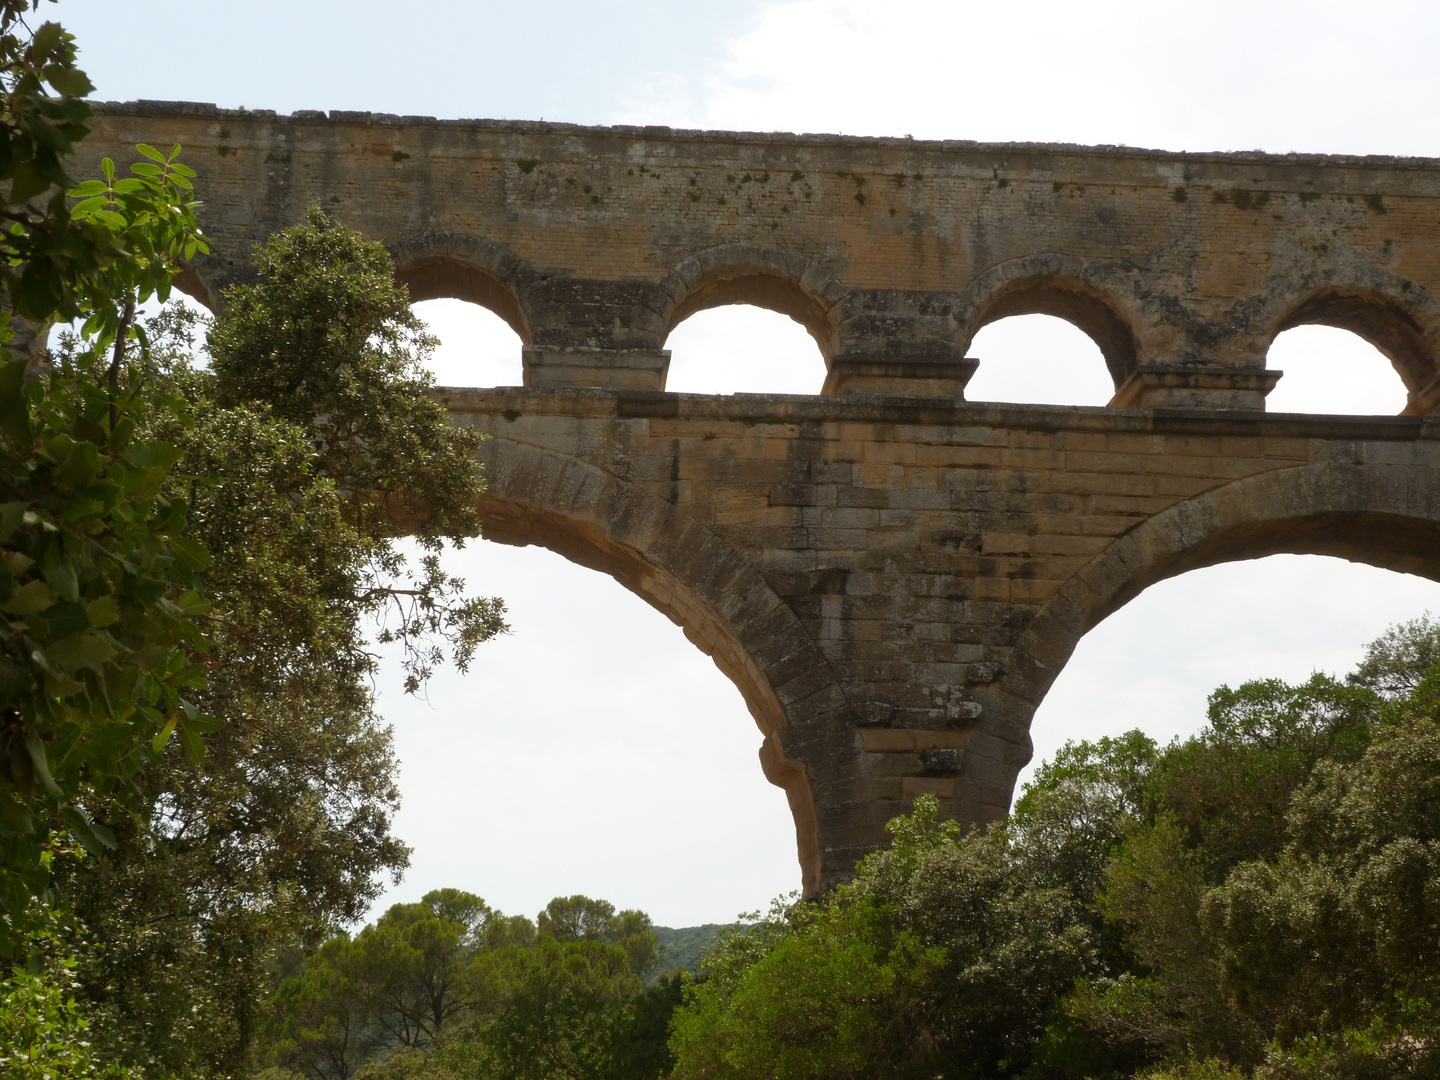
595,750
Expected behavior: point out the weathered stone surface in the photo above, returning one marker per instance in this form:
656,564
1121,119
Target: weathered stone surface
891,576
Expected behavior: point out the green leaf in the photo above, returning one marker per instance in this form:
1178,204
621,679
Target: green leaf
64,619
92,837
149,455
72,82
45,41
203,724
150,152
13,815
192,551
88,189
27,182
81,651
192,603
59,574
151,656
109,219
194,748
30,599
36,750
163,735
11,515
80,466
102,612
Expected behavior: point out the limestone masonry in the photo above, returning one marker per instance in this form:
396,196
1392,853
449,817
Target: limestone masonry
892,576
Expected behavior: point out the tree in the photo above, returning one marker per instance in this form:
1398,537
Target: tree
448,987
941,958
579,918
1257,900
99,653
282,832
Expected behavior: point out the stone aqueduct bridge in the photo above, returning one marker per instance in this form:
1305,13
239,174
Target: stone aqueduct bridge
892,576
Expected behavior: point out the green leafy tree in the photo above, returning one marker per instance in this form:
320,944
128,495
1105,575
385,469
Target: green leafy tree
420,958
1230,786
326,341
579,918
941,958
283,832
330,1023
100,658
561,1020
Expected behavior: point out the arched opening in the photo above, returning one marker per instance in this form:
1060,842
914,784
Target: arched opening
1382,515
743,348
443,277
675,564
477,347
1283,616
1392,330
1344,353
1038,360
742,283
594,750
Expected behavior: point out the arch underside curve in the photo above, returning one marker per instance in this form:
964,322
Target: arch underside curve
1386,514
778,279
1396,316
1064,286
462,267
724,606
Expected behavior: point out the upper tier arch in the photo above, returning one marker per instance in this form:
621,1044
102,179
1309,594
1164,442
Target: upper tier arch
465,268
1063,286
1392,313
768,277
596,241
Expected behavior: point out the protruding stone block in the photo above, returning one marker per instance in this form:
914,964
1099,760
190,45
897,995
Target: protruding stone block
1154,387
595,369
900,378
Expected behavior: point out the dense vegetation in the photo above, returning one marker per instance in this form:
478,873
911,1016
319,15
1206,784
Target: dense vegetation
448,988
682,948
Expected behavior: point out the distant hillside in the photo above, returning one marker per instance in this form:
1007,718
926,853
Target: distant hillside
685,946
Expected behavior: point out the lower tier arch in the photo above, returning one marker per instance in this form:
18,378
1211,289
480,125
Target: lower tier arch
723,605
1385,514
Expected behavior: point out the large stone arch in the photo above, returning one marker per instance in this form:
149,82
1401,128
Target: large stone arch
779,279
1379,505
1391,312
1064,286
479,271
724,606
